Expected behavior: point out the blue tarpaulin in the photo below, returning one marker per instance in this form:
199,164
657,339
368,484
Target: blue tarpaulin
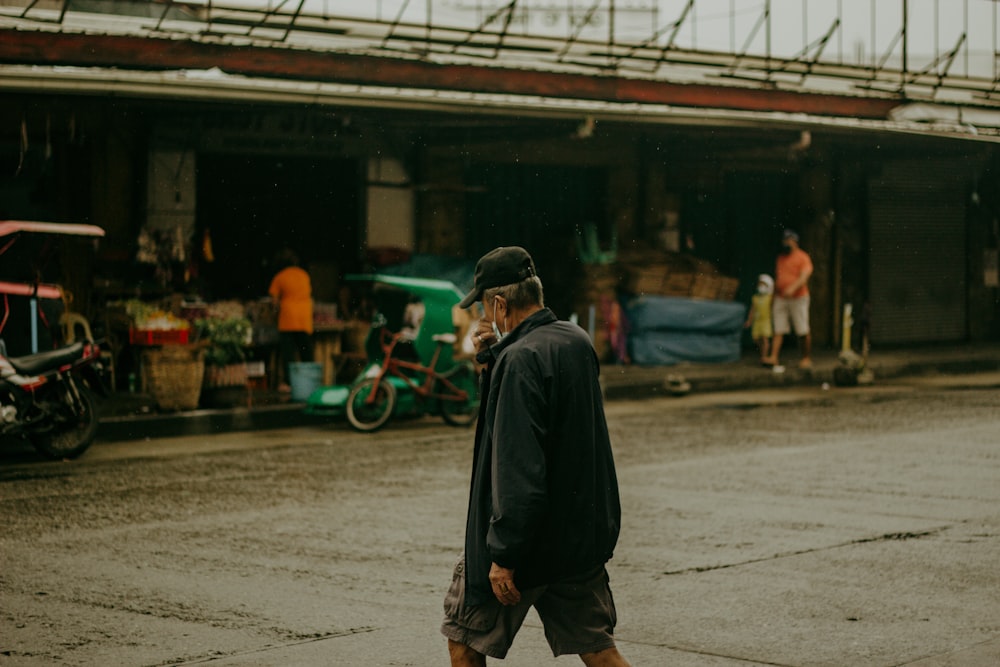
670,330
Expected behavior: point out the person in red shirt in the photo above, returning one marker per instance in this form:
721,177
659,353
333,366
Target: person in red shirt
791,299
291,290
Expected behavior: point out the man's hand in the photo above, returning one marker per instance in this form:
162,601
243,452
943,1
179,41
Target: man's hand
502,581
483,336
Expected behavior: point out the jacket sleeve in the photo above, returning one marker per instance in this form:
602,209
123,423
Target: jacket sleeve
520,496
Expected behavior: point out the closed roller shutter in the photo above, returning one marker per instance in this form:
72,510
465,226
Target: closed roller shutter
918,251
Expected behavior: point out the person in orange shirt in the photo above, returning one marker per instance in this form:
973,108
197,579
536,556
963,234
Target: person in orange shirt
291,291
791,299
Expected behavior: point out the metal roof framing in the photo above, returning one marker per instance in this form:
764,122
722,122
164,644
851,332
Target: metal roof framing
143,53
486,61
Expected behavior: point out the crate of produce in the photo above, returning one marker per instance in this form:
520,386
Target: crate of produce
158,336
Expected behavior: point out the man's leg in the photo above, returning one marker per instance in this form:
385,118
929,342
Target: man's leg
806,342
480,631
609,657
800,320
463,656
579,618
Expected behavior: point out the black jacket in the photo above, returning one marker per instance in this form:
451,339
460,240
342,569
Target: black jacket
544,494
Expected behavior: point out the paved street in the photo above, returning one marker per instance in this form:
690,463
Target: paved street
791,527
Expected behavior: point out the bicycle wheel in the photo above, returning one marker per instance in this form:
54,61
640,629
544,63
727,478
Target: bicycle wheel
370,416
458,413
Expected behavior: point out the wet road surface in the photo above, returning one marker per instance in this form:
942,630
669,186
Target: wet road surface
787,527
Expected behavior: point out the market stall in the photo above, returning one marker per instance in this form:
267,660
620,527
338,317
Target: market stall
187,353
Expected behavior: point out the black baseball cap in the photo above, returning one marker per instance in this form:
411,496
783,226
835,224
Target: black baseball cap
502,266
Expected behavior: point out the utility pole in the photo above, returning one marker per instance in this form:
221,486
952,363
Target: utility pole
906,24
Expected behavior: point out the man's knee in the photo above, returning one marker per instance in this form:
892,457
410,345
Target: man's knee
609,657
464,656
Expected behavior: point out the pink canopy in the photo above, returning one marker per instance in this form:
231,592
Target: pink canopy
8,227
44,290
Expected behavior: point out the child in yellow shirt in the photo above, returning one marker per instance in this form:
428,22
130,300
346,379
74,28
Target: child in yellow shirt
759,317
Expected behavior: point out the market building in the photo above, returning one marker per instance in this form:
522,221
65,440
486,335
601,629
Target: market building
205,138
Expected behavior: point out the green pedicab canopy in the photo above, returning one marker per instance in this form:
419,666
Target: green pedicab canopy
439,297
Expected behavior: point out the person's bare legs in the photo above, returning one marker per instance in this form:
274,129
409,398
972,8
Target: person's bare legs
464,656
609,657
775,349
764,347
806,342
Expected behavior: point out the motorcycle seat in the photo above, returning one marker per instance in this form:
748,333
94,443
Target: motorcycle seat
34,364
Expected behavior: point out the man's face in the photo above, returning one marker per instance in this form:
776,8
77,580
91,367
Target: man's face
486,307
495,315
494,310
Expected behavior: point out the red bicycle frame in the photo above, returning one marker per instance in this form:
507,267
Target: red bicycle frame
394,366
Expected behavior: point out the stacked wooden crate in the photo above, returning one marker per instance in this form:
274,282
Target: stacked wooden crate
663,273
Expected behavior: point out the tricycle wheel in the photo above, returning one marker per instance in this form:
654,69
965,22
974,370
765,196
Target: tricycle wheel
458,413
369,413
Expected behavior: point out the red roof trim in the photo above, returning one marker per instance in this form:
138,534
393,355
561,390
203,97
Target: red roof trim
162,54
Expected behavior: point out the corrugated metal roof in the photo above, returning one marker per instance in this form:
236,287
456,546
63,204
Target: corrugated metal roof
708,87
450,38
216,85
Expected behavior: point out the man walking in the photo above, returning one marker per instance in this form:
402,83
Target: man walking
791,299
544,512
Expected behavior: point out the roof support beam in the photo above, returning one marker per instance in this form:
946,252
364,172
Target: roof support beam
45,48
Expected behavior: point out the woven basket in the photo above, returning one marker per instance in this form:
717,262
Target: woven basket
173,375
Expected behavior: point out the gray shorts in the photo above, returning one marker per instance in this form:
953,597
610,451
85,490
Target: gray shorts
578,616
791,314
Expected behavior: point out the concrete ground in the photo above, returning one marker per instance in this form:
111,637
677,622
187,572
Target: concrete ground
630,381
792,526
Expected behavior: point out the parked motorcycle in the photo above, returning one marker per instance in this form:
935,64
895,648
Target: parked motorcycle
48,398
